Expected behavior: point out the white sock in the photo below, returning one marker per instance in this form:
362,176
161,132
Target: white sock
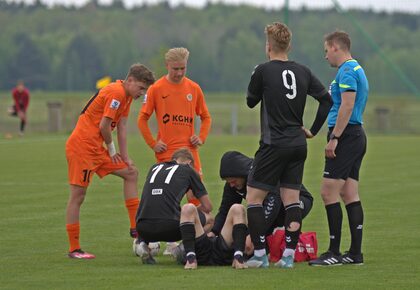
238,253
260,253
289,252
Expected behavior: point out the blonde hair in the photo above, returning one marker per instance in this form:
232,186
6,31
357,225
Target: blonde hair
340,38
279,36
177,54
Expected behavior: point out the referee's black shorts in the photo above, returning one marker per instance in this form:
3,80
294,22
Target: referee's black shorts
276,167
349,153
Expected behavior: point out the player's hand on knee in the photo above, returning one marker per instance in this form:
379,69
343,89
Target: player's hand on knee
116,158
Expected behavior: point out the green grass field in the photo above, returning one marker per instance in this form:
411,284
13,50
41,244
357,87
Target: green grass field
33,242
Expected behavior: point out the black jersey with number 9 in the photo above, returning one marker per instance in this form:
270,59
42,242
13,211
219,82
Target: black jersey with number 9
282,87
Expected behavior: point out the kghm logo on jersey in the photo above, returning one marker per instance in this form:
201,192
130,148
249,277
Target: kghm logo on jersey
189,97
178,119
166,118
115,104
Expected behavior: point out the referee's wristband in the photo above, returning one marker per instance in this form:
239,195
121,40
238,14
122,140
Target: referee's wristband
111,149
332,137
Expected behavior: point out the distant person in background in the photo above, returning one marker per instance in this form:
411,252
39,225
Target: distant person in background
85,152
344,151
176,100
21,102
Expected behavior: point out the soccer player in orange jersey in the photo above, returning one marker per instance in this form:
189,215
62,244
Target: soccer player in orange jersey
85,152
176,100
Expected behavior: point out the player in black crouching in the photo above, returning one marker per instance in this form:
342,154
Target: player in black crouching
159,212
234,169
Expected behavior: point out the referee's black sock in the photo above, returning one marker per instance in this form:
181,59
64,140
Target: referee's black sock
335,219
239,233
355,215
188,236
256,225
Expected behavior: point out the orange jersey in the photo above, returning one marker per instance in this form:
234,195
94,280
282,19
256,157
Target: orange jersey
175,106
112,102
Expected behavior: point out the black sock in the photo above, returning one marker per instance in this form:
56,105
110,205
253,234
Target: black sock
188,236
256,225
355,215
239,233
293,214
335,219
22,125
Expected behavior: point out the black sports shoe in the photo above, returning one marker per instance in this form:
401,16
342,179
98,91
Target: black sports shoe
354,259
327,259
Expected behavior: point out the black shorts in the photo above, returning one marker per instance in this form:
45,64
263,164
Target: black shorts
349,153
213,251
276,167
155,230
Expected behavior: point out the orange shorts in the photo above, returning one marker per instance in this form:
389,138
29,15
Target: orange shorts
167,156
82,166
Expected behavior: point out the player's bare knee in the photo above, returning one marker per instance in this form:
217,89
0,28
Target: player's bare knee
133,173
237,209
188,209
293,227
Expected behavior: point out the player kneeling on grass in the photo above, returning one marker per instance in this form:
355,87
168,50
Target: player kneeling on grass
225,249
159,212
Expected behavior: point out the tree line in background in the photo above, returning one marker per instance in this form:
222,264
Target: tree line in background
69,48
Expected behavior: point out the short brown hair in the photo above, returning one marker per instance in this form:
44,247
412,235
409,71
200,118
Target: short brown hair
340,38
279,36
184,154
177,54
141,73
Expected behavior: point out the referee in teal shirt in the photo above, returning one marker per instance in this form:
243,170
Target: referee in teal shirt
344,151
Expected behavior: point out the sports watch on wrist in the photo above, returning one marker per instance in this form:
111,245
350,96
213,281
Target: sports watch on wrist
332,136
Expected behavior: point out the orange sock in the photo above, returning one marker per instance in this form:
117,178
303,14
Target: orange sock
132,204
73,231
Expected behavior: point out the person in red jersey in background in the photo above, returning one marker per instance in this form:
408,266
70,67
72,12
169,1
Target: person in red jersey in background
21,98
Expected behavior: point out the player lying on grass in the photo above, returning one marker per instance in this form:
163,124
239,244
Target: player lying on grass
159,212
225,249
